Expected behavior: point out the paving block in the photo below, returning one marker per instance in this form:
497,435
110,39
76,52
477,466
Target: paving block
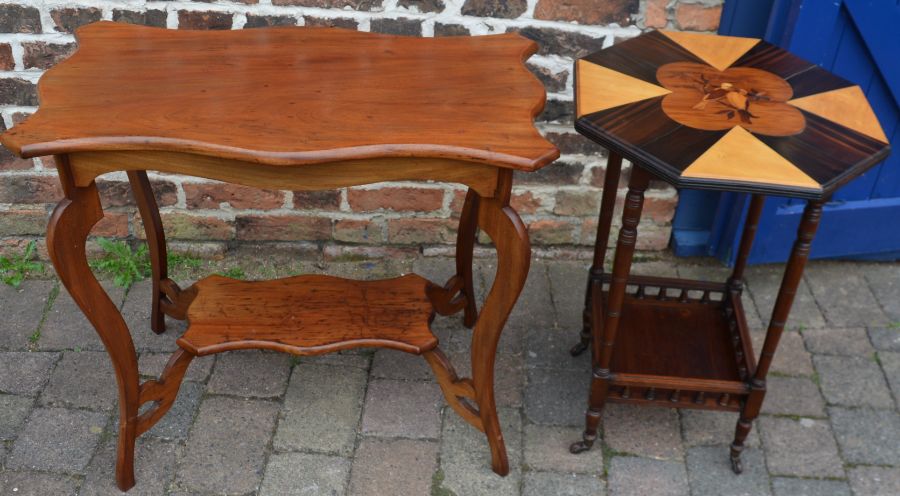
66,327
549,348
226,447
305,474
793,396
393,364
466,458
25,373
136,312
509,376
884,280
853,381
638,430
399,466
875,481
13,412
322,408
177,421
403,409
27,483
890,363
556,396
763,281
152,365
789,486
57,440
838,341
82,379
801,448
251,374
705,427
710,474
634,476
867,436
359,358
568,281
154,469
547,483
547,449
844,296
22,311
885,338
791,357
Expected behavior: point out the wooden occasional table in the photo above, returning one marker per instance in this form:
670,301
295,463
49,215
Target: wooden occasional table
299,109
708,112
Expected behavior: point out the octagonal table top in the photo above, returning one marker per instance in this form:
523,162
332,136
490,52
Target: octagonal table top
727,113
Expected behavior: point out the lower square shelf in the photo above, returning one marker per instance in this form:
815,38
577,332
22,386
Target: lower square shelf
310,314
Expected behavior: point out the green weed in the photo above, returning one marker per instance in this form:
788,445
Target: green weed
14,270
124,264
234,273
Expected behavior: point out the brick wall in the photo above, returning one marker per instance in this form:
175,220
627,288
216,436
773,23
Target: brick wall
559,203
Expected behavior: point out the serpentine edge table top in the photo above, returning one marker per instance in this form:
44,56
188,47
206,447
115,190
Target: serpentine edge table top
727,113
290,96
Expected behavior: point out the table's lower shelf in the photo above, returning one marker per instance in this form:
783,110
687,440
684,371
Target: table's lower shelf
309,314
681,343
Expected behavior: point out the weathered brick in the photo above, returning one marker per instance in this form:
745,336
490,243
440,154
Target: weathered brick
332,4
185,226
112,225
8,161
441,29
564,43
656,14
41,55
698,17
587,11
188,19
23,222
150,17
17,91
264,21
317,200
19,19
69,19
118,193
358,231
283,228
525,202
558,111
494,8
553,81
332,22
402,26
421,231
574,143
423,5
30,189
556,174
552,232
400,199
6,57
210,195
577,202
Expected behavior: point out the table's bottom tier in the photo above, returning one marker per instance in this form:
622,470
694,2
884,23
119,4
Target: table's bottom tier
310,314
681,343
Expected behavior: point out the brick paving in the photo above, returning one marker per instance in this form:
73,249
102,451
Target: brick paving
365,422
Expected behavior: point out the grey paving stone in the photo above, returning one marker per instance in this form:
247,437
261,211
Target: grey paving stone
359,358
152,365
634,476
400,466
305,474
533,310
875,481
890,363
547,449
509,376
802,448
22,311
25,373
13,411
58,440
27,483
82,379
466,459
548,483
154,469
789,486
793,396
321,409
867,436
884,280
885,338
393,364
710,474
252,374
764,281
556,396
844,296
224,452
66,327
568,281
436,269
838,341
136,312
650,432
704,427
852,381
177,421
402,409
791,357
549,348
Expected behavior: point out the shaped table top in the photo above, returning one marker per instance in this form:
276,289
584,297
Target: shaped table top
290,96
727,113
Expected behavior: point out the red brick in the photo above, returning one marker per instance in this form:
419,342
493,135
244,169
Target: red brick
188,19
358,231
193,227
421,231
330,22
317,200
210,195
400,199
19,19
118,193
698,17
41,55
577,202
552,232
587,11
30,189
6,57
494,8
148,18
457,201
339,253
112,225
525,202
23,222
69,19
332,4
283,228
18,91
659,210
656,14
8,161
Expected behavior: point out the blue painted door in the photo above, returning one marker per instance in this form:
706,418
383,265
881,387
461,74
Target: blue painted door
860,41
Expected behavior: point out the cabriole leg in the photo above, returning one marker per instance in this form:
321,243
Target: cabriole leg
156,241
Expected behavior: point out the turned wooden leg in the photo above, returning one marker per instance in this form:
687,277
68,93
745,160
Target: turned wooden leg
67,233
156,240
792,274
605,335
604,223
736,280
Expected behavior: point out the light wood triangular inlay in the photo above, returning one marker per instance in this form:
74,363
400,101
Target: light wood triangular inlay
717,51
600,88
740,156
845,106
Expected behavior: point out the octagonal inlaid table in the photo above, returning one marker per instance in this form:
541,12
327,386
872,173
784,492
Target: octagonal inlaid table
708,112
298,109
